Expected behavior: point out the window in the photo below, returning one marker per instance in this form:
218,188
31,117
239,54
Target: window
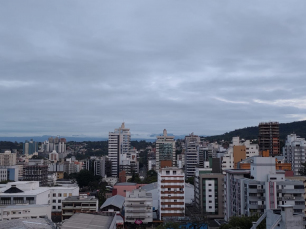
167,172
209,184
124,190
59,201
174,172
54,194
210,201
175,200
209,196
65,194
59,207
53,201
59,195
141,202
70,194
209,190
169,189
210,206
53,207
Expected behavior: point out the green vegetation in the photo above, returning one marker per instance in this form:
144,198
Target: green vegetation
285,129
190,180
302,171
150,178
140,144
11,145
169,225
243,222
86,178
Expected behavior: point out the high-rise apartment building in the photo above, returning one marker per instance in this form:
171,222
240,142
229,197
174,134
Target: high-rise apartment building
249,192
30,147
165,151
118,144
191,154
294,152
171,190
268,138
7,158
208,192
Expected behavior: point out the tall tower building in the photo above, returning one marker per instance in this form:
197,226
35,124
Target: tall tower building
165,151
191,154
171,192
118,144
294,152
268,138
30,147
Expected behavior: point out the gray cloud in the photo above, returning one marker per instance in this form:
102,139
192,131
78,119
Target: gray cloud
83,67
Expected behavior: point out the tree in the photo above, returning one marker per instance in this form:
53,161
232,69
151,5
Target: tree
151,177
169,225
84,177
302,171
190,180
243,222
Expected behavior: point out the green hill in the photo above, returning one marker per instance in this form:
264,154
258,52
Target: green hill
285,129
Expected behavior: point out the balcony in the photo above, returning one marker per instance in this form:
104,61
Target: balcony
139,211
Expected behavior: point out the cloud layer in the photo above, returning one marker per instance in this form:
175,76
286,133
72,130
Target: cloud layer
83,67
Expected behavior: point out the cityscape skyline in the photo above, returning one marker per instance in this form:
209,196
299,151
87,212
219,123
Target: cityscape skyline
76,67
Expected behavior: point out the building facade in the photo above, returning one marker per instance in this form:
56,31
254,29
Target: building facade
118,144
294,152
30,147
7,158
208,192
248,192
191,154
138,206
171,190
165,151
36,173
79,204
268,138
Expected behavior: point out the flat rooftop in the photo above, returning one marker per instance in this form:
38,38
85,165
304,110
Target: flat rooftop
88,221
27,224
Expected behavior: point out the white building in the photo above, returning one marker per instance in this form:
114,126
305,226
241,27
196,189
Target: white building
165,150
3,174
238,151
248,192
28,211
7,158
294,152
29,192
53,156
171,190
191,154
138,206
118,144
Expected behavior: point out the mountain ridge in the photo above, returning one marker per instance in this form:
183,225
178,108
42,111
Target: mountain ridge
297,127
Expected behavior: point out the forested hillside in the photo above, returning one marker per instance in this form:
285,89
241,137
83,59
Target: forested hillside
298,128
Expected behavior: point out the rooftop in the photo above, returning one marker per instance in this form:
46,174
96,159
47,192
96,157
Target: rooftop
116,201
88,221
27,224
125,184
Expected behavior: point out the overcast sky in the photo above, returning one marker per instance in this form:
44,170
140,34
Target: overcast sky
208,67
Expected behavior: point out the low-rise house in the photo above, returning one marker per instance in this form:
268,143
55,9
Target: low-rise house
113,204
30,211
79,204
